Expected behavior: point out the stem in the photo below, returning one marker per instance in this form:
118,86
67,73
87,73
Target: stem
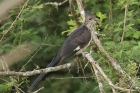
124,21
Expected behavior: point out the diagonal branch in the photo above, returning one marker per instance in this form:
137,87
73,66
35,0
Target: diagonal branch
112,61
94,63
10,28
98,79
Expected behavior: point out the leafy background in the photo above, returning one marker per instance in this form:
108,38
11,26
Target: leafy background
45,27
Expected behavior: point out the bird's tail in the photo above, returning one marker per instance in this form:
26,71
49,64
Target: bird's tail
39,78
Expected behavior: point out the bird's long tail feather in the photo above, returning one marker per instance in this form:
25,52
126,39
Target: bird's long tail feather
39,78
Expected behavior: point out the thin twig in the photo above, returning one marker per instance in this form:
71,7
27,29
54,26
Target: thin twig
110,13
124,21
18,16
32,56
83,71
73,77
10,28
37,91
19,89
94,63
55,3
73,12
98,80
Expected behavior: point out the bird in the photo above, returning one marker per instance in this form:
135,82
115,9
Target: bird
75,44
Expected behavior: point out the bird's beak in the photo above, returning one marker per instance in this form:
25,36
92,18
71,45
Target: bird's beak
96,19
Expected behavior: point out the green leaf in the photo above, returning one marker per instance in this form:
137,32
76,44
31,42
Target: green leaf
136,34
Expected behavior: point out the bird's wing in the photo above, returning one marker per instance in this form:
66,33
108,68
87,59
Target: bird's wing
76,41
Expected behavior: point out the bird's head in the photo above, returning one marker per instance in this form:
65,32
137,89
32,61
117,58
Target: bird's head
90,19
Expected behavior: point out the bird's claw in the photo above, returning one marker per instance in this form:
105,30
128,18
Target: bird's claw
83,54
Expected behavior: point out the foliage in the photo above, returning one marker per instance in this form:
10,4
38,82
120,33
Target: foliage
6,87
46,26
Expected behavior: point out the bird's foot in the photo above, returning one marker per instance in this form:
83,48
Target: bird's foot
83,54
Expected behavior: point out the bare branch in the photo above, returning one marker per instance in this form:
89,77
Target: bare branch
124,21
80,6
37,91
10,28
99,45
85,77
55,3
98,79
94,63
34,72
73,12
25,4
15,55
113,61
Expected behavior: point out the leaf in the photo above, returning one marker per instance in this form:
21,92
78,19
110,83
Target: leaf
138,43
136,35
71,23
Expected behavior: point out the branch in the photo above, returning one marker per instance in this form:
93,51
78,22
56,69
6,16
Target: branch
124,21
25,4
6,5
34,72
113,62
94,63
15,55
10,28
98,79
99,45
74,14
37,91
110,59
80,6
55,3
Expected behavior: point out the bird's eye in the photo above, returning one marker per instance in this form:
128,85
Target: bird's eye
90,18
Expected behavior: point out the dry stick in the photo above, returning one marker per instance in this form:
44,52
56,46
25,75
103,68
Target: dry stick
99,45
73,77
6,68
111,60
82,71
94,63
110,12
10,28
98,79
124,21
25,4
32,56
34,72
73,12
55,3
37,91
97,74
21,91
80,6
